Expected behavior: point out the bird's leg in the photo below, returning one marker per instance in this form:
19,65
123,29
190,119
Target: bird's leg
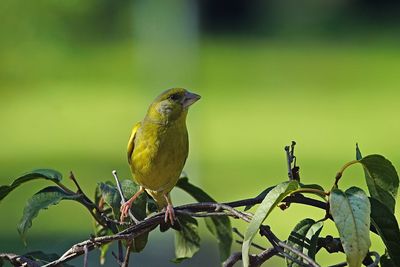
169,211
127,205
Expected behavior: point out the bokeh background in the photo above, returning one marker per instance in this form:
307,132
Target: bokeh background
76,75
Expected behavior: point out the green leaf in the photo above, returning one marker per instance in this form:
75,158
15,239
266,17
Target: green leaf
382,179
273,198
312,235
388,228
47,174
129,188
260,196
351,212
112,198
220,227
196,192
187,240
298,240
304,238
51,195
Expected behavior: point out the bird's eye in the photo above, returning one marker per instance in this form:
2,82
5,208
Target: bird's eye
174,97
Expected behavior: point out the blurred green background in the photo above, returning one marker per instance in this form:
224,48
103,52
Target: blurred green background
75,76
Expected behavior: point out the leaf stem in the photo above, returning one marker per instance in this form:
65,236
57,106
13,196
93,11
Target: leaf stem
312,191
340,172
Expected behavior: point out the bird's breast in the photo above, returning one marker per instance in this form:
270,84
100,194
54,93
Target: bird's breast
159,156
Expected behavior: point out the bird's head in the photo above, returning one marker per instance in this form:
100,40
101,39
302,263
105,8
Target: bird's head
171,105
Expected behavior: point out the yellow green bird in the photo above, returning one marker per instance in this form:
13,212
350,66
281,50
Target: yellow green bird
158,148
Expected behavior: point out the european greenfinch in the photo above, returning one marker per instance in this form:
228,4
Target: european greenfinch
158,148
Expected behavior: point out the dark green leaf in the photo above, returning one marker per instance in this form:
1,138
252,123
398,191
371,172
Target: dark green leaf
112,198
220,227
358,153
187,241
386,225
129,188
196,192
312,235
47,174
100,230
382,179
271,200
386,261
260,196
351,212
51,195
298,240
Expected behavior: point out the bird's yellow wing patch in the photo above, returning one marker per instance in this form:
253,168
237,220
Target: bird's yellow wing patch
131,142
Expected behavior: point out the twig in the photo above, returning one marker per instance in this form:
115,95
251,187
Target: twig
120,252
72,177
114,172
128,253
280,246
340,172
85,259
255,260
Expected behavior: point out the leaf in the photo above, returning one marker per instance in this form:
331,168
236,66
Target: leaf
187,241
298,240
304,238
386,261
312,235
260,196
273,198
99,229
51,195
112,198
388,228
351,212
220,227
382,179
47,174
129,188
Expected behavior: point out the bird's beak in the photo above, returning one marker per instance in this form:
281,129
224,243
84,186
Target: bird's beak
189,99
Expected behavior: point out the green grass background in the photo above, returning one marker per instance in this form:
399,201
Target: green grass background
72,108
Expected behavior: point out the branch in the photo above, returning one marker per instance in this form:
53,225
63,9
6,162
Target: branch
255,260
18,260
202,209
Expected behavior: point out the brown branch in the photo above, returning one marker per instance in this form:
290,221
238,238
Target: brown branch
196,209
128,253
255,260
18,260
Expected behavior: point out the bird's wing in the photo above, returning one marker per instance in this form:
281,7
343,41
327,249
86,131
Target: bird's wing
131,142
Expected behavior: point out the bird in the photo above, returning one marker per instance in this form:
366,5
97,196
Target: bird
158,148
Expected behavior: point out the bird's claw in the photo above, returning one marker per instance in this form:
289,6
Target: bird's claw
124,210
170,214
